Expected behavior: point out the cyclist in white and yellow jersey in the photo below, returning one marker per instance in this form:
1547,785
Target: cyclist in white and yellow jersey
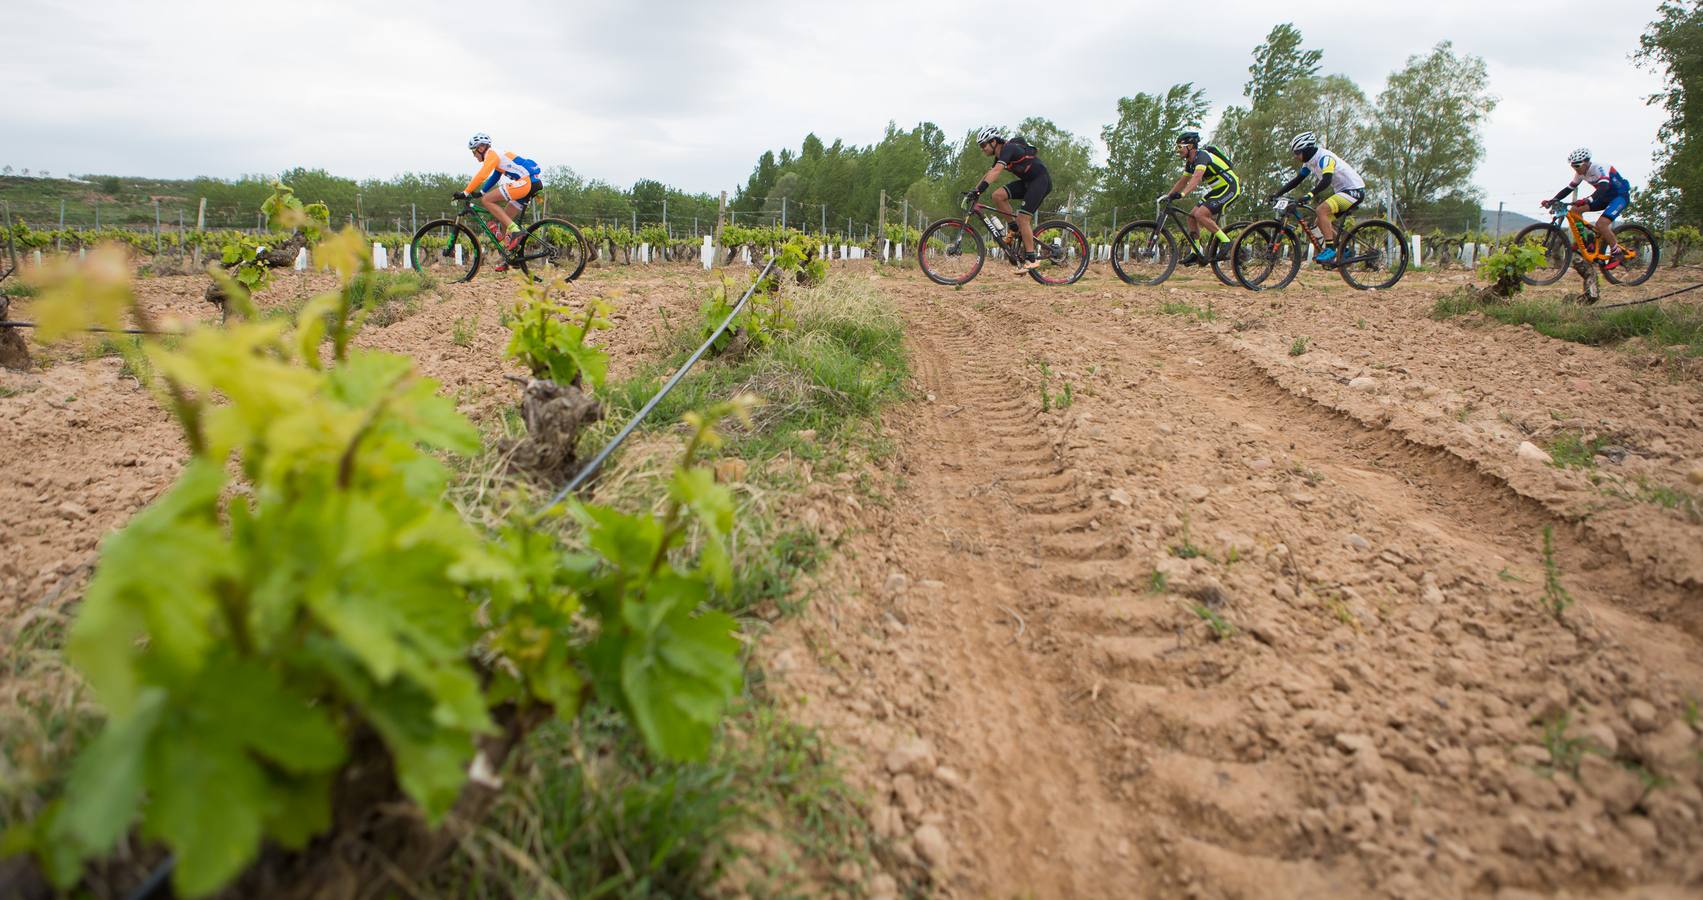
1335,175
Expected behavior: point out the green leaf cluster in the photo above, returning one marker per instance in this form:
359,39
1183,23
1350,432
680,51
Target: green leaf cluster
671,667
1504,267
549,338
767,315
284,212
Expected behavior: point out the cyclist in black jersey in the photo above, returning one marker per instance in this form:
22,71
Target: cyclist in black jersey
1209,166
1033,183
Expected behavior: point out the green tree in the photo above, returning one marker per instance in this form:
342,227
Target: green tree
784,198
1069,160
647,197
1426,127
1285,96
1279,61
1673,46
1140,162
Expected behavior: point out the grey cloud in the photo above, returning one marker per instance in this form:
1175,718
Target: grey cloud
690,93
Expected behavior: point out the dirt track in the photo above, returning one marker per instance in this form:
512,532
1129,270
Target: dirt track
1037,713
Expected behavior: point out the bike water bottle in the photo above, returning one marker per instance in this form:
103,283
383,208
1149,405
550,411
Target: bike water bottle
1313,229
997,227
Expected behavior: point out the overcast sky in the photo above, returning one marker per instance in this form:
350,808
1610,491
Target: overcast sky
691,92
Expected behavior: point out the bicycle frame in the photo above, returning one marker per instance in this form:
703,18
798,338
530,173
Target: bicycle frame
1291,209
1584,237
469,208
1009,240
1168,212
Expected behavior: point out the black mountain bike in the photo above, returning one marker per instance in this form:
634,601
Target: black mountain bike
1370,255
449,250
951,252
1146,253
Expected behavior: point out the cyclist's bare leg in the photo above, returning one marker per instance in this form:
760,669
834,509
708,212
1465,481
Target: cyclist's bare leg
1200,221
495,204
1605,234
1325,226
1027,231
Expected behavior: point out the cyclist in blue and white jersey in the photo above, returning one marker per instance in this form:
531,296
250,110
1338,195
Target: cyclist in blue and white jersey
1610,192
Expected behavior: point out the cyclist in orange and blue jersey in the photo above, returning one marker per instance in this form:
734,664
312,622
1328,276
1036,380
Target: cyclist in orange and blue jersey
516,179
1610,194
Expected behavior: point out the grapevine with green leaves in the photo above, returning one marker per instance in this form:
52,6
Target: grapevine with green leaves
549,338
245,627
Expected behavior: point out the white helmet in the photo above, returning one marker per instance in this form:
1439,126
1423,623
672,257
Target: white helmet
1302,141
1578,156
478,138
990,133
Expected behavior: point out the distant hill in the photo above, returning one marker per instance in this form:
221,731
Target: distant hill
1511,221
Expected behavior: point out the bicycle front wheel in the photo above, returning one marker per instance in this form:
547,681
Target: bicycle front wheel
1557,253
553,249
1266,256
1062,249
951,252
1374,255
1642,254
1143,254
446,250
1223,258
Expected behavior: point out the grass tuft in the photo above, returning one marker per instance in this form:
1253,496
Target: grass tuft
1675,328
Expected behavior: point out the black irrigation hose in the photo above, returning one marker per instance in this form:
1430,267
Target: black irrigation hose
156,882
1651,299
8,324
596,461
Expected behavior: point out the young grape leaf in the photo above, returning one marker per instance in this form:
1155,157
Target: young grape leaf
105,788
177,534
208,800
678,679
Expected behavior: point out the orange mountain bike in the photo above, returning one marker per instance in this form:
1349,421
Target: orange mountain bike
1560,245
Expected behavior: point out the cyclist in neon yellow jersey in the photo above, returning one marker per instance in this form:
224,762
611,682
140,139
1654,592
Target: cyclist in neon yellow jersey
1209,166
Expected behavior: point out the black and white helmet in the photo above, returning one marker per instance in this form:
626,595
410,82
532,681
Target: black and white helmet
1305,142
1192,138
479,137
1583,154
990,133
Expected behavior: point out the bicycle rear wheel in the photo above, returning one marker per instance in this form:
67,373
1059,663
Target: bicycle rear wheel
1062,249
1143,254
951,252
1375,255
1557,253
553,249
1266,256
446,250
1642,254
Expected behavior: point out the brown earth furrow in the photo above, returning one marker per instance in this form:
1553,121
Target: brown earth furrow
1304,654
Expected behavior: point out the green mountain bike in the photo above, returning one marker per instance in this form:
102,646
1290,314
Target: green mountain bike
449,250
